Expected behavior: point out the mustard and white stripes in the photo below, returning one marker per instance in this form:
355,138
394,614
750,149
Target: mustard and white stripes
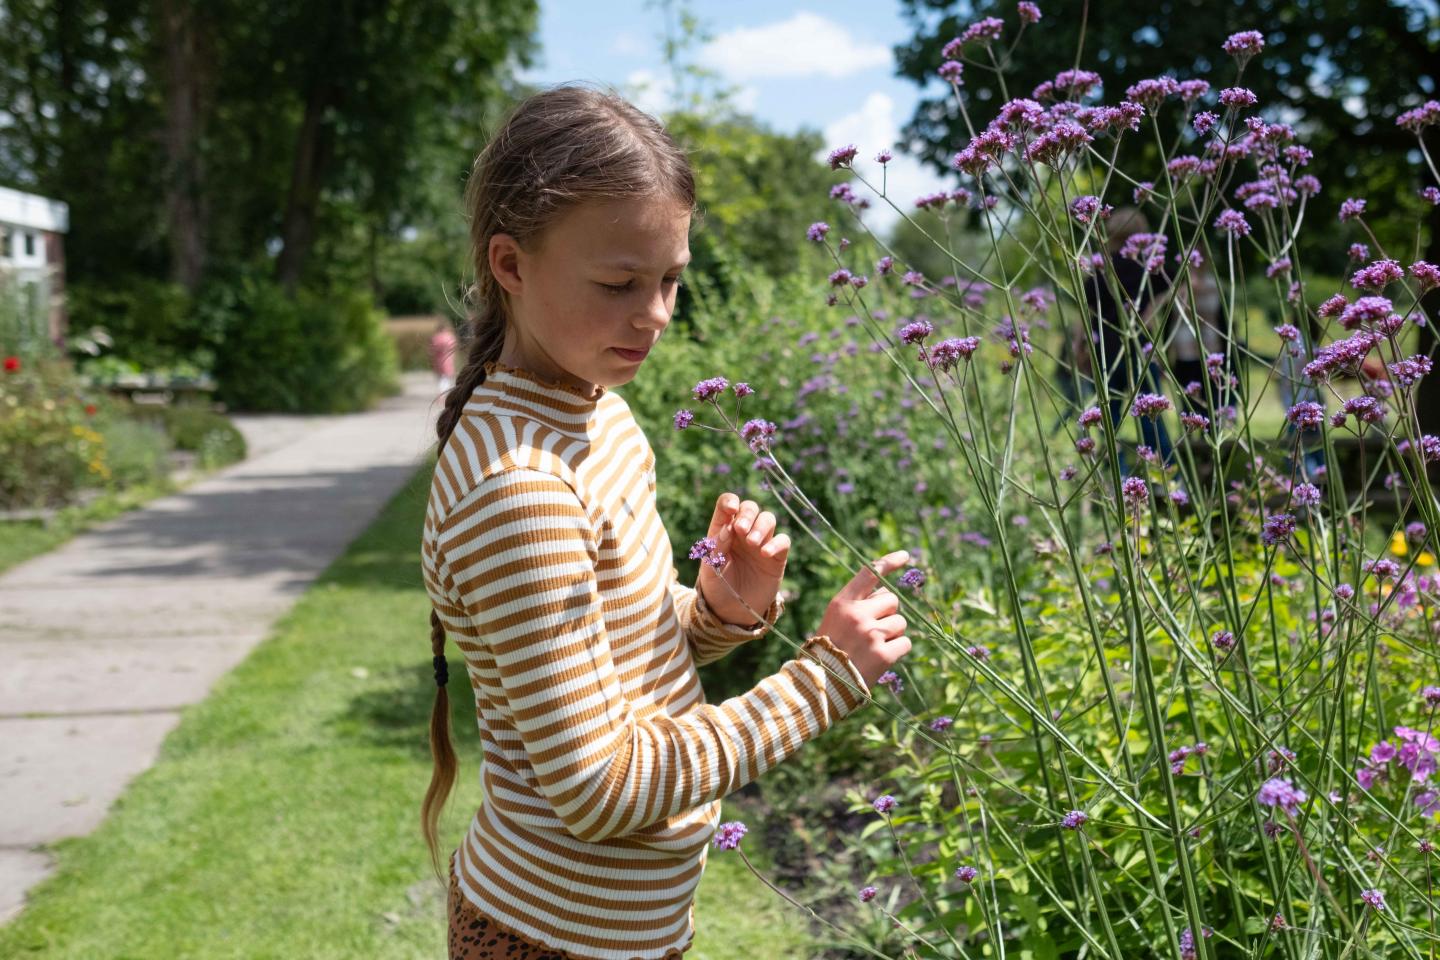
604,766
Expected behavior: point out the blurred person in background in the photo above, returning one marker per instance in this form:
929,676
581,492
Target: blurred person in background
442,355
1187,355
1129,366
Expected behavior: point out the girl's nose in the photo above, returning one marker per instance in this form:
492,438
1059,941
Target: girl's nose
657,314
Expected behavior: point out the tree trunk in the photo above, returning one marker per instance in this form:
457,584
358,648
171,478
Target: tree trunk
184,117
313,151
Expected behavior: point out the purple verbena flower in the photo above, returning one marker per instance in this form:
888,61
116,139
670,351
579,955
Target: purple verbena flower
1152,92
1277,529
727,837
1135,491
757,434
1149,405
841,156
1427,275
1422,116
1279,792
1244,45
916,330
885,804
1377,275
1233,222
1238,97
1333,307
711,388
1370,310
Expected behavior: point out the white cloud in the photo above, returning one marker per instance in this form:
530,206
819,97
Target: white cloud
649,91
873,128
652,92
627,43
806,44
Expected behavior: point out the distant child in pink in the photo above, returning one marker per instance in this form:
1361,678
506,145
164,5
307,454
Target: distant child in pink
442,355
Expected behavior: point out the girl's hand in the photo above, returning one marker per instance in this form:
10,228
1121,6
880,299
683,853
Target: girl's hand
755,561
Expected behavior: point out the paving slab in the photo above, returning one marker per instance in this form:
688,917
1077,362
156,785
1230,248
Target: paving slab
105,639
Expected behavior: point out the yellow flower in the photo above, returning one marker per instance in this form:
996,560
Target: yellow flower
1397,544
1425,558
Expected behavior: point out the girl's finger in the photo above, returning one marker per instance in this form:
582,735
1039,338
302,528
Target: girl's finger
762,529
778,545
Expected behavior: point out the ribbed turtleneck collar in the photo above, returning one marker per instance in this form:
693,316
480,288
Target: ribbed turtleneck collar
554,393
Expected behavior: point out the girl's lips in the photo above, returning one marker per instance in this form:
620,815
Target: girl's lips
631,354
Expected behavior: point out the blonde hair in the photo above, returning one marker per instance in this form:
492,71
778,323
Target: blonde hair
554,150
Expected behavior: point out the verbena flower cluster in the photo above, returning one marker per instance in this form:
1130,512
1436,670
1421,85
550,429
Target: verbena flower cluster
1162,651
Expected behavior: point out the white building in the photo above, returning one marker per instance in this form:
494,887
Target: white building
32,265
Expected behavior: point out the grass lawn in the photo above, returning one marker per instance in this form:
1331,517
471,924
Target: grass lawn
282,818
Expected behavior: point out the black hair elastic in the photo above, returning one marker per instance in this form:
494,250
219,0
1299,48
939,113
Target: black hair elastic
442,674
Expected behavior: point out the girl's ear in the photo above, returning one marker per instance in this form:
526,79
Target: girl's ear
504,259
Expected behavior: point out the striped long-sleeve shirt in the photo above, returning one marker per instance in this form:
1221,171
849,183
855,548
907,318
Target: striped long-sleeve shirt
604,765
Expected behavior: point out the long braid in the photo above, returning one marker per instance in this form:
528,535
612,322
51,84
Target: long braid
488,338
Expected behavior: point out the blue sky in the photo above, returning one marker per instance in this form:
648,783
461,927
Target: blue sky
827,67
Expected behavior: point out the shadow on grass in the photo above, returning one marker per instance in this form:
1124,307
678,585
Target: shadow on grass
395,714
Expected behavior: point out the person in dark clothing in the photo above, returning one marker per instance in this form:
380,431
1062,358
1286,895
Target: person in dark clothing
1119,297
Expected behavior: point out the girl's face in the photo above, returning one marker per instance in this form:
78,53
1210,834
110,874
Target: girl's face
603,277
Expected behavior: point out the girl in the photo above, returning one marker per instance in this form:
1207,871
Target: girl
546,561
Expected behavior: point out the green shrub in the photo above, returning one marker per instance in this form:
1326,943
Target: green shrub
211,435
320,352
49,445
153,323
136,451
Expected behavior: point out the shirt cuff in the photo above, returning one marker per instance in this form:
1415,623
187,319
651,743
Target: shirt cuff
845,688
706,623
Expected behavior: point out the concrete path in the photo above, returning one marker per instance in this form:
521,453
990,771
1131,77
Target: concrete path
105,639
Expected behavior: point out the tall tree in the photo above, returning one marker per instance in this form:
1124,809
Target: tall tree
376,78
191,135
78,122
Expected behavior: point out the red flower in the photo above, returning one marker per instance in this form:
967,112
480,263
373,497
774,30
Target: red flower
90,408
12,364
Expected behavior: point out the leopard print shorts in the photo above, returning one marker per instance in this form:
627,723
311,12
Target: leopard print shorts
475,937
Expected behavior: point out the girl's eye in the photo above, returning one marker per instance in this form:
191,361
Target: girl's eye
618,288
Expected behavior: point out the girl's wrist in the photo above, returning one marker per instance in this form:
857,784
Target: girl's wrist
740,620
